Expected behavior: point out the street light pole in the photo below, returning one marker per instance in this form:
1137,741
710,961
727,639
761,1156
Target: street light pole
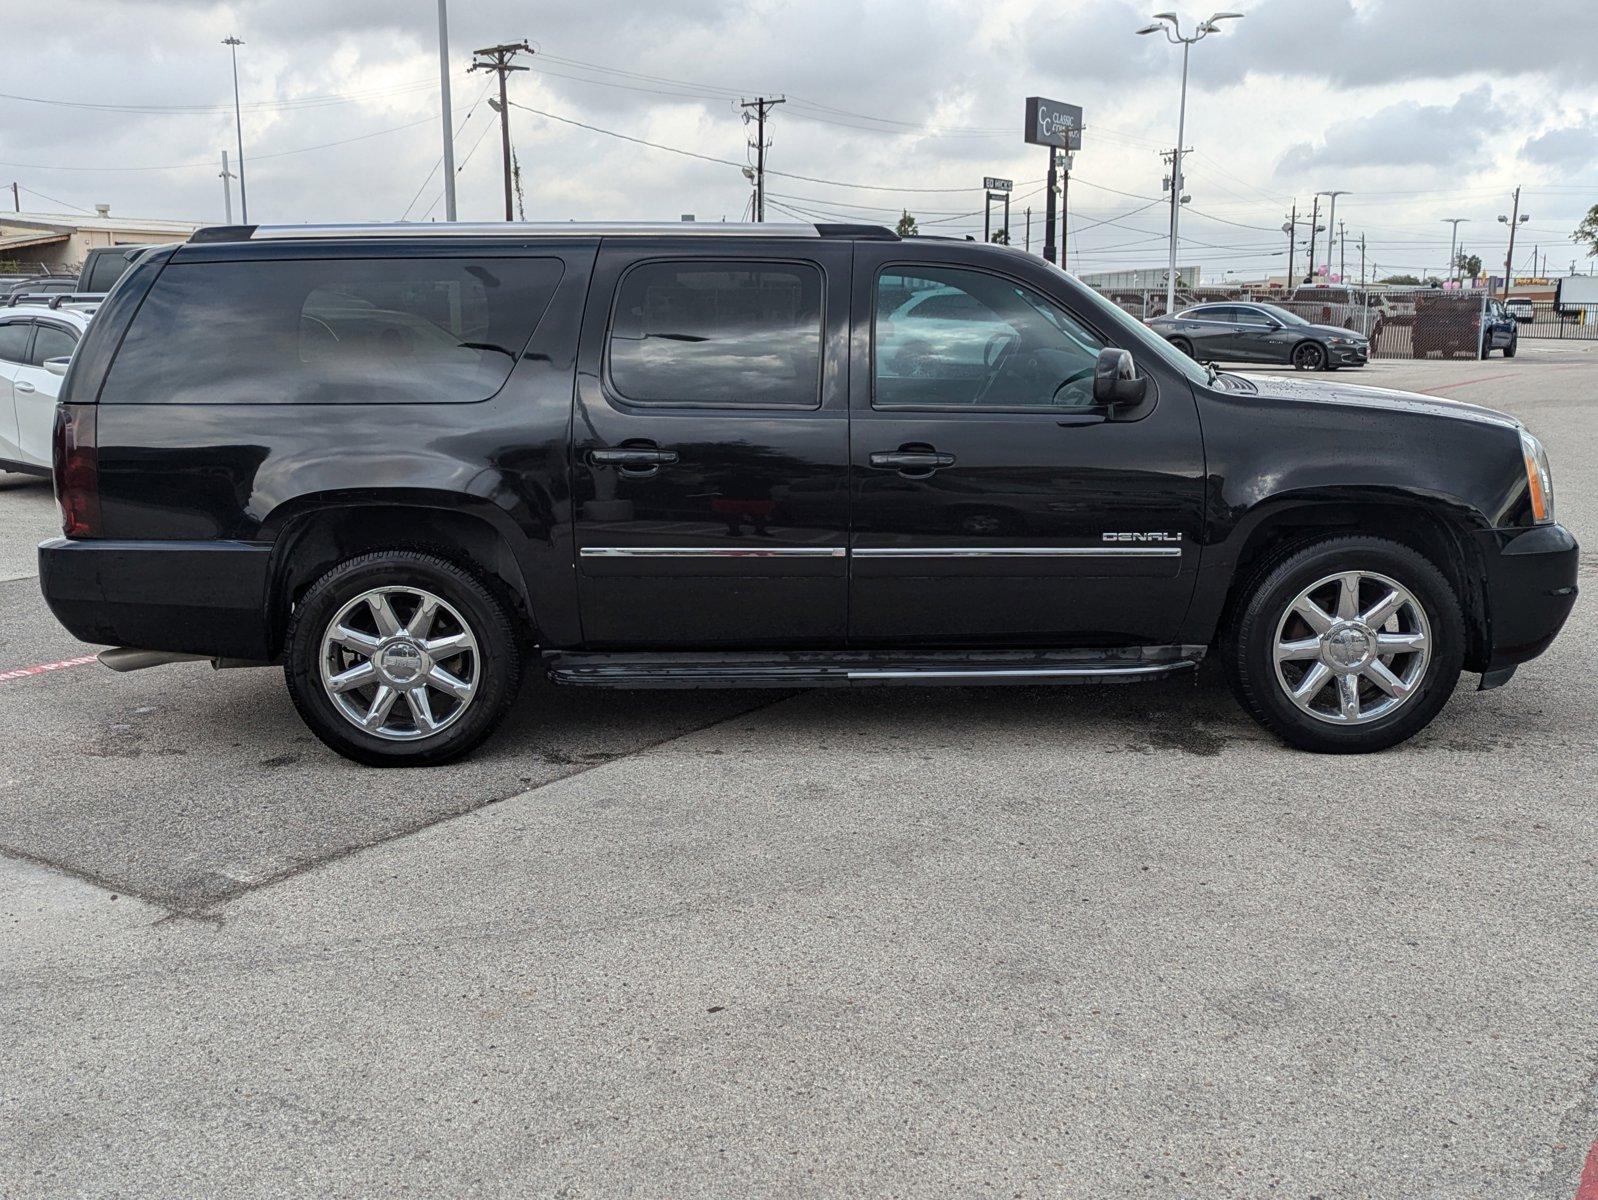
448,119
1331,224
1168,24
1453,242
233,44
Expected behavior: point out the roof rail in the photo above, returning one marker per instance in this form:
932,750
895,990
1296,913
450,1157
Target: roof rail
538,229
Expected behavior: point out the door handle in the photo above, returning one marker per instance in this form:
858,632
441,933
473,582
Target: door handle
25,387
628,456
633,462
910,460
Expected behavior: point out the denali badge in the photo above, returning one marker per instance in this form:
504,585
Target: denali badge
1142,537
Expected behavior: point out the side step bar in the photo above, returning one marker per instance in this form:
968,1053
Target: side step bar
847,669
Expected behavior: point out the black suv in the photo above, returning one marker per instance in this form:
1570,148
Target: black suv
408,462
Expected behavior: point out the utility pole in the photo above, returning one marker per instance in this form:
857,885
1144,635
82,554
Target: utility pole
1174,157
1065,204
760,104
1512,220
449,120
233,44
1027,246
1292,238
227,190
498,60
16,203
1049,249
1362,260
1342,254
1314,228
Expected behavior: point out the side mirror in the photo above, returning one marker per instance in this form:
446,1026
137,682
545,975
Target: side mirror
57,366
1115,380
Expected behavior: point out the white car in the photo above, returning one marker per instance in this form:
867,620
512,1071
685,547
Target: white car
36,344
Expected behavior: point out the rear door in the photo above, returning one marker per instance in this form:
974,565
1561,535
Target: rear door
1214,332
994,505
710,444
15,337
37,389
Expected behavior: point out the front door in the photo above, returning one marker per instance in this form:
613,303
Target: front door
994,505
710,446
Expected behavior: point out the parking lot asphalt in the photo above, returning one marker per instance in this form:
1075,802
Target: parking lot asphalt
1094,942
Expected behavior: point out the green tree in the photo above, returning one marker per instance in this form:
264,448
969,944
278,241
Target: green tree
907,225
1403,280
1469,265
1001,236
1587,231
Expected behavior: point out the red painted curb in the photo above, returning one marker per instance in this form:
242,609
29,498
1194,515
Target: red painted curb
46,668
1587,1189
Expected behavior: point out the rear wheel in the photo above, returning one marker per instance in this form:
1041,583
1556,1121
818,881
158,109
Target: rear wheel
1182,344
399,658
1348,645
1514,344
1309,356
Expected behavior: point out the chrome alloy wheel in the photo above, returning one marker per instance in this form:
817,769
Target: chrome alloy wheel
399,642
1352,648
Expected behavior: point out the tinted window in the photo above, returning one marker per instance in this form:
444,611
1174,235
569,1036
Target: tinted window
1008,347
14,340
718,333
331,331
106,270
51,342
1251,316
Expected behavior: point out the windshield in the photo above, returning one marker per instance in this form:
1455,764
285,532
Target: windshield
1282,315
1144,337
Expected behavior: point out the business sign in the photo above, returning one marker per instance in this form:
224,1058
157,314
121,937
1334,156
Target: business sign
1053,123
997,185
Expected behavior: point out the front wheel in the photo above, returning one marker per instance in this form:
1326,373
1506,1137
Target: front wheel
1348,645
1514,344
1309,356
399,658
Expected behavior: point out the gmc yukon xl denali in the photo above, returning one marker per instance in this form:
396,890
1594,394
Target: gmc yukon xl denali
411,463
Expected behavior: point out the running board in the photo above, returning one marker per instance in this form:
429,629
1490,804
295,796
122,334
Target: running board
857,668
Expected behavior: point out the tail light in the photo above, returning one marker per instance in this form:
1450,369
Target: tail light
77,470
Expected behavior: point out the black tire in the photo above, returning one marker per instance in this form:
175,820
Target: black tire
1182,344
1486,345
496,658
1309,356
1514,344
1248,643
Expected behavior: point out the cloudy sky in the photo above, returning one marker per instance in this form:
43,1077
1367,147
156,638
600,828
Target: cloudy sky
1418,109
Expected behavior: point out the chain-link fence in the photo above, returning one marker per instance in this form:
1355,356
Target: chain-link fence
1403,323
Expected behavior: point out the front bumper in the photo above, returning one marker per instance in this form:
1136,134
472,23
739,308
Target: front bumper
1348,356
1530,590
207,598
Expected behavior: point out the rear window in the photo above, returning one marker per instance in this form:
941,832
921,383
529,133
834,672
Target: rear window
331,331
105,270
14,340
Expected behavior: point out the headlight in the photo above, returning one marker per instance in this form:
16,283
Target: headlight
1539,479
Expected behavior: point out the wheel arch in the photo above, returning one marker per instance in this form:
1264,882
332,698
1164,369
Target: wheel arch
1432,527
323,531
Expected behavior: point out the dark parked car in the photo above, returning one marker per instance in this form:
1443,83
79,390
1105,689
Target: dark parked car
1248,332
1499,330
411,462
104,265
